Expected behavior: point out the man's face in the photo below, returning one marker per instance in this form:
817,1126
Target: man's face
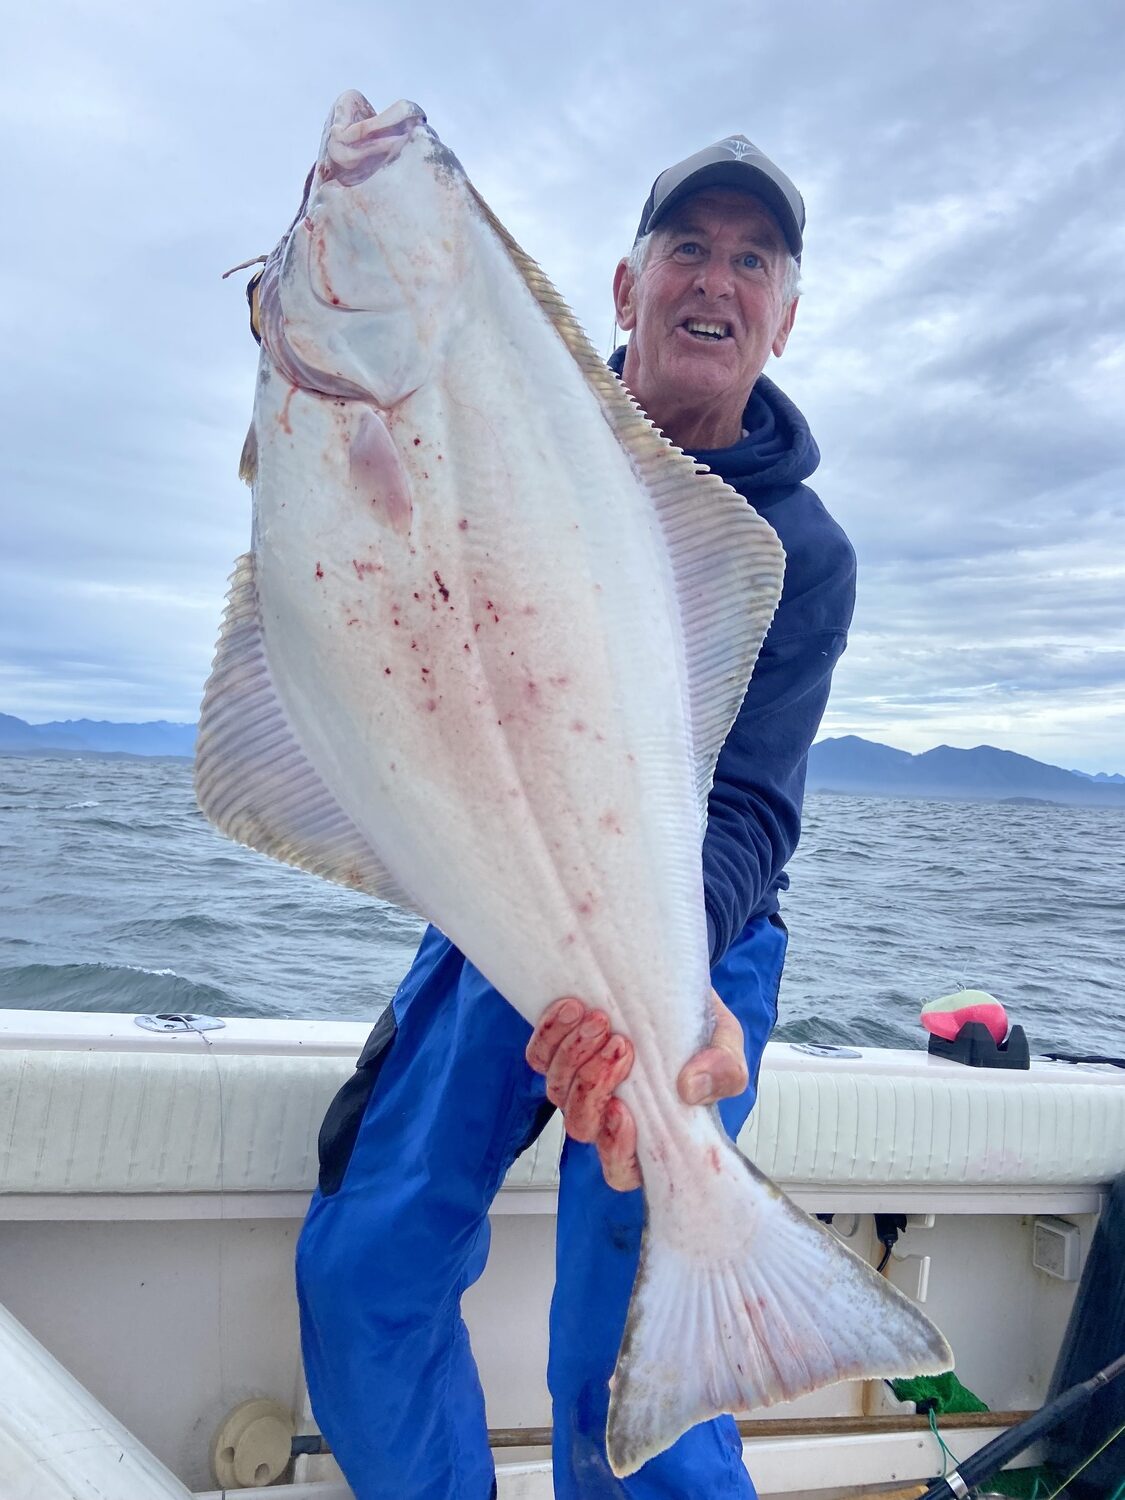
707,309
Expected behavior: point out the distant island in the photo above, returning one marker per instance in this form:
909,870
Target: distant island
984,774
849,764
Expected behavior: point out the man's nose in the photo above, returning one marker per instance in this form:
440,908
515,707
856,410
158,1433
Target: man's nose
715,279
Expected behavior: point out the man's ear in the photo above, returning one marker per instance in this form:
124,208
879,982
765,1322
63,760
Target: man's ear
624,286
785,328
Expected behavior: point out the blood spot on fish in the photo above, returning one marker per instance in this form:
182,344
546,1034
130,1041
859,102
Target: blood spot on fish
319,571
609,822
585,907
713,1159
531,688
425,474
354,620
417,442
425,671
465,647
439,458
418,596
431,705
578,727
413,645
462,524
442,590
363,568
394,622
386,671
475,629
283,416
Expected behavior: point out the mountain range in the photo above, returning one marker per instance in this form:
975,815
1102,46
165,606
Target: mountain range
983,774
848,764
95,736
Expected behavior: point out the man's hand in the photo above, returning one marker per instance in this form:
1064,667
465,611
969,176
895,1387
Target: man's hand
584,1064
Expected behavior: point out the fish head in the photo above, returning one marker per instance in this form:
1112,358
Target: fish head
355,298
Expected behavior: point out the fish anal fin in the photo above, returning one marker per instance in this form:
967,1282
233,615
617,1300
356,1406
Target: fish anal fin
766,1314
253,779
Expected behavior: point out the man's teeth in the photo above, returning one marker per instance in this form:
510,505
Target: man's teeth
713,330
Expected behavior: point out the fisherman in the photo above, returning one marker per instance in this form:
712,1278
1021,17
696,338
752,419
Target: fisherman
708,293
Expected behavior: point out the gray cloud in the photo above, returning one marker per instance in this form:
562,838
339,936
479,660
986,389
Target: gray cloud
959,349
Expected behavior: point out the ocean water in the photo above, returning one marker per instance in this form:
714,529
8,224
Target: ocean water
117,895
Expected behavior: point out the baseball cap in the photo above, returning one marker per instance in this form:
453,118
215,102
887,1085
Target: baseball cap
733,162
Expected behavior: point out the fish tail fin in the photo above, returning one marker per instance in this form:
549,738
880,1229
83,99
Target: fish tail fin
776,1307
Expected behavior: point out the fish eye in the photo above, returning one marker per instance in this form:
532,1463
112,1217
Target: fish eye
255,305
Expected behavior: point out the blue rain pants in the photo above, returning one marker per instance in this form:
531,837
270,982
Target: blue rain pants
413,1150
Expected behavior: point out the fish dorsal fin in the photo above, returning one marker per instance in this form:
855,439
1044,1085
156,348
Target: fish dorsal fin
727,561
253,780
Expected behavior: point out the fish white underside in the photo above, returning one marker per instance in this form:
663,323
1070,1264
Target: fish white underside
497,692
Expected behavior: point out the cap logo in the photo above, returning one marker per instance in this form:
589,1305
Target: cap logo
738,149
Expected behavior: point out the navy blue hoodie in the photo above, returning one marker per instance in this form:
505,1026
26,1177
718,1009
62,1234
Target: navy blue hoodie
754,812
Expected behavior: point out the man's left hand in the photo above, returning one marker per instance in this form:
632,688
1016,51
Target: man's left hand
585,1064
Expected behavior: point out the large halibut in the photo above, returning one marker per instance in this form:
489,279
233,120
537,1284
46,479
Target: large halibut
489,639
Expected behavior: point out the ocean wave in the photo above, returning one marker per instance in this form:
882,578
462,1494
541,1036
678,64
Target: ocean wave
127,989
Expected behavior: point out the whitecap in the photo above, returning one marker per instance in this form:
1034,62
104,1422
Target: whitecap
71,805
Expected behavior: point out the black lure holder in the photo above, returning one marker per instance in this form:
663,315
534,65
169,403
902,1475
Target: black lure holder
974,1046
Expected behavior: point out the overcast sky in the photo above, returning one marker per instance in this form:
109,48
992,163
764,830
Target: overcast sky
959,351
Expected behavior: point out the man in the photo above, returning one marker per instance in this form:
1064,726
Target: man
450,1087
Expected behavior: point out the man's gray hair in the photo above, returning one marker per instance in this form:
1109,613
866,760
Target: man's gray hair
791,280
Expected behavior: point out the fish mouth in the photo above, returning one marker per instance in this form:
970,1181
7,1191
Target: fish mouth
358,140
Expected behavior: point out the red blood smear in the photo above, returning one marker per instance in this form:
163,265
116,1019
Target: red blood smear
417,442
713,1159
363,568
442,590
319,571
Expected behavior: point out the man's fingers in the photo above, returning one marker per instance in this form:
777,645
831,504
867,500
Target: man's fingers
719,1071
617,1148
594,1083
555,1024
574,1051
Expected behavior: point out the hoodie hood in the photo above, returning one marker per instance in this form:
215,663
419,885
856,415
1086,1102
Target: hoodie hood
778,450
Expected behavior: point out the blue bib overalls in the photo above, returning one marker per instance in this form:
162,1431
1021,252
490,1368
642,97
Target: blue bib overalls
413,1151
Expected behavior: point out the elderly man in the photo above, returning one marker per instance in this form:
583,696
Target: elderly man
708,293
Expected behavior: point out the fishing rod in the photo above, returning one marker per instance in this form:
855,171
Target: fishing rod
993,1456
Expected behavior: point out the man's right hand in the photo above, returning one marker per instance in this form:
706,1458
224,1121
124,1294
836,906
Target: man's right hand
584,1063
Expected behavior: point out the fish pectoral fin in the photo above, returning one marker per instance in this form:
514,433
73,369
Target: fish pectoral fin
252,778
768,1314
377,475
